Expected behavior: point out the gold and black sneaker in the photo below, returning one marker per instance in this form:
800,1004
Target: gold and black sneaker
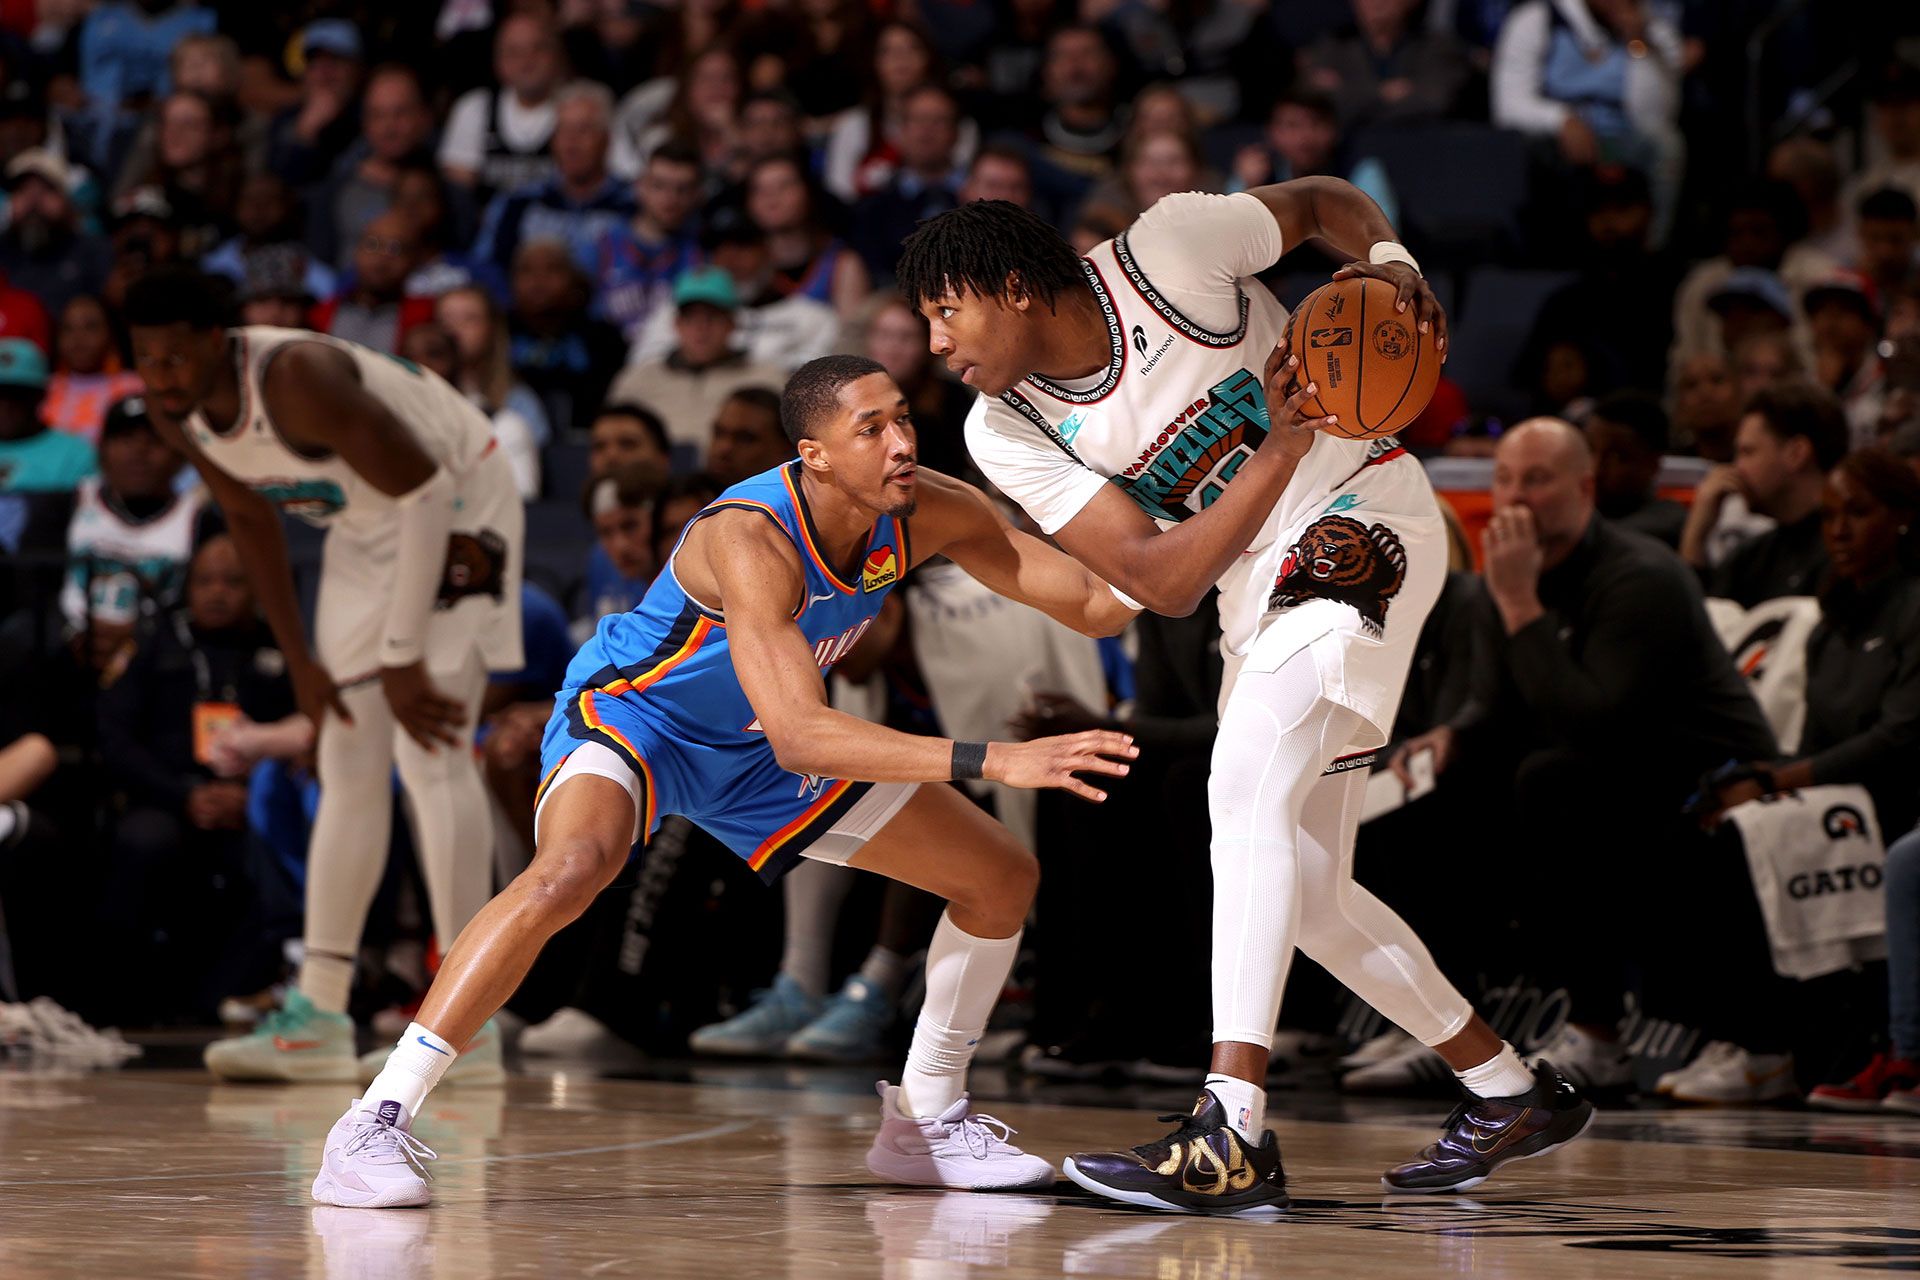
1201,1167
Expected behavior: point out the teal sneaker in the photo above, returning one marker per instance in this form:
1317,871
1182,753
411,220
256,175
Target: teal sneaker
478,1064
761,1029
852,1028
295,1042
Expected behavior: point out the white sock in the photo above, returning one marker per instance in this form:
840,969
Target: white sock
1501,1076
885,970
326,980
813,892
1244,1102
413,1068
964,977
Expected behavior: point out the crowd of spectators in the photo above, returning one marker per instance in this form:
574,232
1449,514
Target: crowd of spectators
616,225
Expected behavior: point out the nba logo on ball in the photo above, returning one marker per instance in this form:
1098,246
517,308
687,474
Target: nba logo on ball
881,569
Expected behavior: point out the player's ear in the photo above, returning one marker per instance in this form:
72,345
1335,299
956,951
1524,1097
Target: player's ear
1016,296
813,456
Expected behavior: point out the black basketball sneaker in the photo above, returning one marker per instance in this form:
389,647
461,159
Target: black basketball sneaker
1484,1133
1201,1167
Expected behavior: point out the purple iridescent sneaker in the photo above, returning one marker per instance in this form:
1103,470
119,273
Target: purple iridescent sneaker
1484,1133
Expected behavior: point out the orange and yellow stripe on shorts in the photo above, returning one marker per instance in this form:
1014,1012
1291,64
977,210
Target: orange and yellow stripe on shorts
591,719
780,838
661,669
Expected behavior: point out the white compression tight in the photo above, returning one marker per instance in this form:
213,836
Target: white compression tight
452,821
1283,868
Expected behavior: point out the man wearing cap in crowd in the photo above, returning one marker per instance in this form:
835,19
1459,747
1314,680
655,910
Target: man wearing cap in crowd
1843,316
306,139
132,532
44,250
1751,300
33,459
275,290
690,384
145,234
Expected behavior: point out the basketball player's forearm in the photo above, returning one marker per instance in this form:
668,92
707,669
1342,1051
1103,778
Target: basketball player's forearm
263,554
1172,570
1327,208
832,744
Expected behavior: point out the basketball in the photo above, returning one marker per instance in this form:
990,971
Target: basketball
1375,369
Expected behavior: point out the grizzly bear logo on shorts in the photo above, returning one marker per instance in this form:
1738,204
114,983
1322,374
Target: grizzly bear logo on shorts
476,566
1338,558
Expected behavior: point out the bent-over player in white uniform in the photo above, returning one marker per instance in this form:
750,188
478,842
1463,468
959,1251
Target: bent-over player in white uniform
419,600
1121,404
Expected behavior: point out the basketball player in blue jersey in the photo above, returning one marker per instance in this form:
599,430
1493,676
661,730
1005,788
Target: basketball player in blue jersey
709,700
1119,406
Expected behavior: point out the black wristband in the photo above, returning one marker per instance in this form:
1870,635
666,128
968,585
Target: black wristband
969,760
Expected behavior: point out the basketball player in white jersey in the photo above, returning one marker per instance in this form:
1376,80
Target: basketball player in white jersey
1121,396
419,600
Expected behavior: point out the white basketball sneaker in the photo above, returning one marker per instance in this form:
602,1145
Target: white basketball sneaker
294,1042
479,1064
961,1149
1588,1062
1736,1078
373,1161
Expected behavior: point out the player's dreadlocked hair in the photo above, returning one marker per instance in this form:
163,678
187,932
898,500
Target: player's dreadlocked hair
814,391
976,247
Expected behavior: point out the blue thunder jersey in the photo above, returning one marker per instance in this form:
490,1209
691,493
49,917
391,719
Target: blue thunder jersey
657,685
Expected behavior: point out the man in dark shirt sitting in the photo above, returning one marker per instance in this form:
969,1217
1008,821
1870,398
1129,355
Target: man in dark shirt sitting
1627,432
1793,434
202,669
1605,680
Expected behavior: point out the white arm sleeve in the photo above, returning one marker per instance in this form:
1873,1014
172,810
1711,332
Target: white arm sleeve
464,144
1196,247
1026,466
1518,55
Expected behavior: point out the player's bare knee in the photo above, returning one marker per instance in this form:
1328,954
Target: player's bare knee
1003,888
567,874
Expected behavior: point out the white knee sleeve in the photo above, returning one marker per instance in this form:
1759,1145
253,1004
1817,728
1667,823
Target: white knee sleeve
452,820
353,824
1356,937
1277,735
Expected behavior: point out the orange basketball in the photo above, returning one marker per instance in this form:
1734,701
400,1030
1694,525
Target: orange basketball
1375,369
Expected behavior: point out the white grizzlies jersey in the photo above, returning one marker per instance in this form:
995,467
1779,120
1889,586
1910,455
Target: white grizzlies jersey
1180,407
116,561
479,601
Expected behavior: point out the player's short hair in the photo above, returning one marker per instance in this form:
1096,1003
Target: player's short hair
1640,414
649,421
1888,204
814,391
1802,409
987,248
174,294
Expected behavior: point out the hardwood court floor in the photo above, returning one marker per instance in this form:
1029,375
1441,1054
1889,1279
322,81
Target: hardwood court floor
741,1174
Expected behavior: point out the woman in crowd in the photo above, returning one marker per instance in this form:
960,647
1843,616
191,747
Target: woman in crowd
860,151
482,369
88,375
806,259
1862,727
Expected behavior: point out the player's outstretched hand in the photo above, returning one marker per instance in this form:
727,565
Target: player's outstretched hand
1052,762
1288,427
1414,292
428,716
